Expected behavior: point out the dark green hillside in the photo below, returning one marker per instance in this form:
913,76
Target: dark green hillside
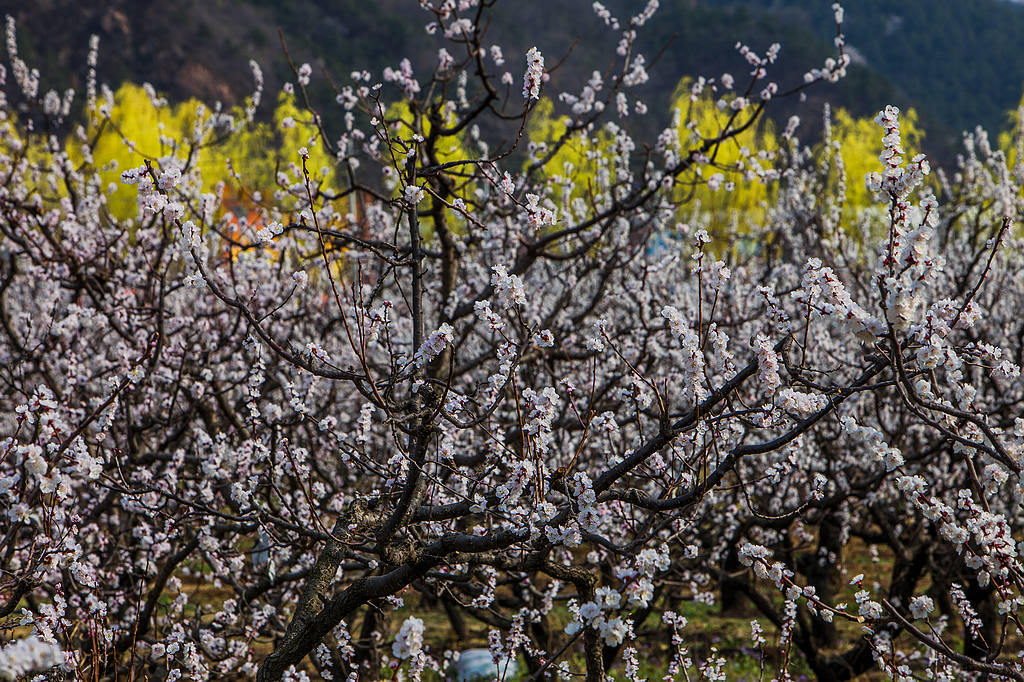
961,61
955,61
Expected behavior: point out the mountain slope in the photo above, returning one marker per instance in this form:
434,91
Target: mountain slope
954,61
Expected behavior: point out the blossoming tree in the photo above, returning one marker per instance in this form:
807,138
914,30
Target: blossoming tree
438,380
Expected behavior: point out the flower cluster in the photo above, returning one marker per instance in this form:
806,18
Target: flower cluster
508,287
29,655
409,640
539,216
403,77
895,181
437,341
596,613
692,353
534,74
826,295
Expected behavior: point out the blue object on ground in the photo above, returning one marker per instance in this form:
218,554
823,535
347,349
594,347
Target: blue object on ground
476,665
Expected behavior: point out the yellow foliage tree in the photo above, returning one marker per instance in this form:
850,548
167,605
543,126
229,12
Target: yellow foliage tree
1011,140
138,126
447,147
572,164
404,124
740,195
859,144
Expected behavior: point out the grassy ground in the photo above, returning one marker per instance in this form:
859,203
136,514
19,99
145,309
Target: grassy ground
709,632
